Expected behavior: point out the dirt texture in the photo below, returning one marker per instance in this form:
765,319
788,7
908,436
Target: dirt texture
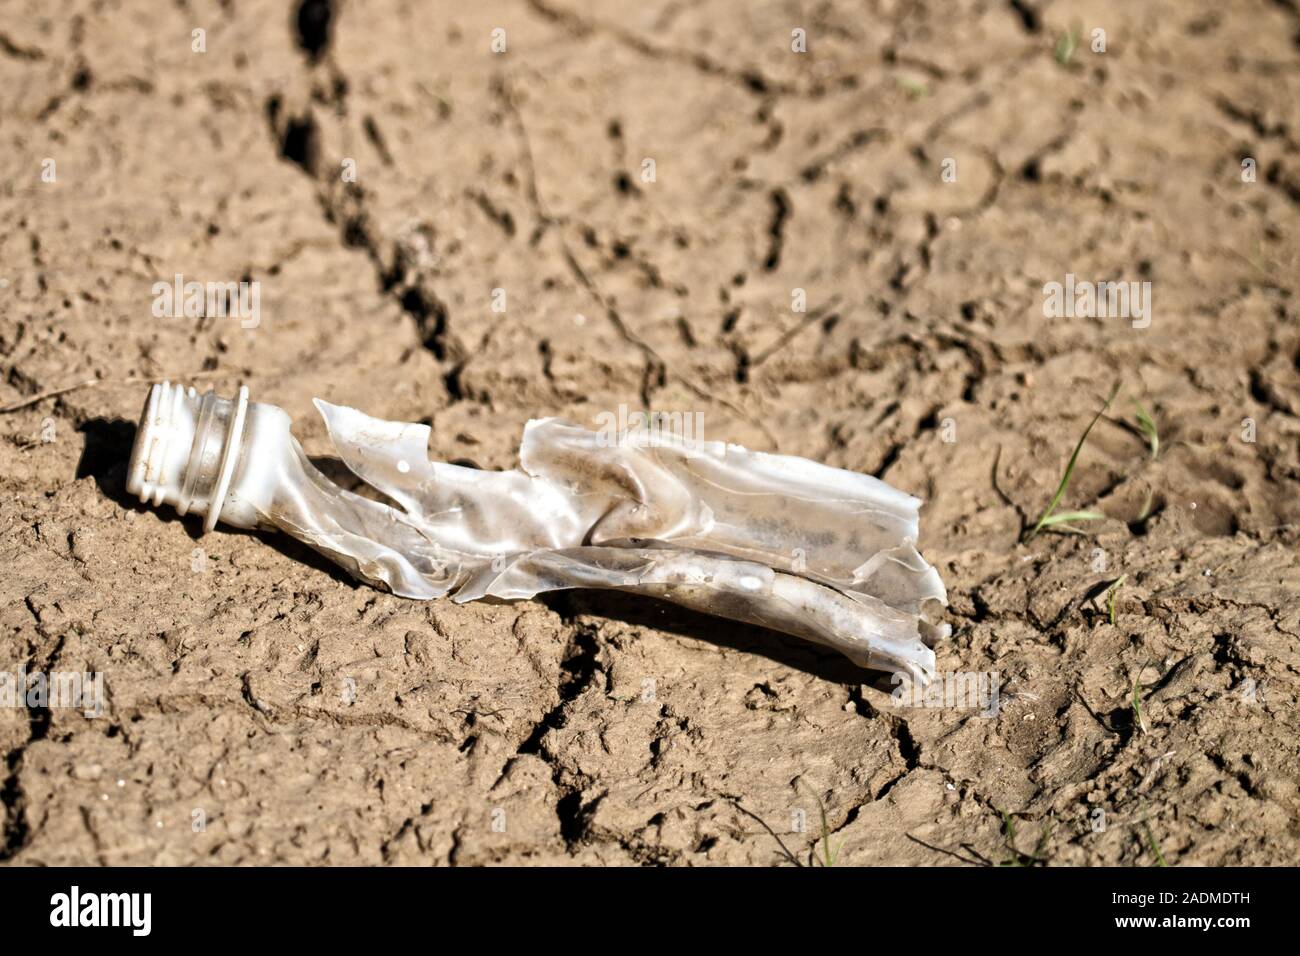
262,707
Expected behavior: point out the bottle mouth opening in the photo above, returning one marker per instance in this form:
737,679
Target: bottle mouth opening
186,448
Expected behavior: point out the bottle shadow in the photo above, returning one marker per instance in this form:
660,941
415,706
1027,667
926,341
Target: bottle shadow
643,611
107,451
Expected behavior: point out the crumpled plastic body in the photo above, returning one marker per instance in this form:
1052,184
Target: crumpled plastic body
772,540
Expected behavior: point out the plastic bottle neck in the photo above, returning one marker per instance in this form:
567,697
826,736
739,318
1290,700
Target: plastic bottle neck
186,449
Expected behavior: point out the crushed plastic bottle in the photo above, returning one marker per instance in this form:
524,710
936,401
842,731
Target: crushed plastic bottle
773,540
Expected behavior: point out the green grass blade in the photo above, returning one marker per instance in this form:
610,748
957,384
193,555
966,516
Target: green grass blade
826,835
1137,701
914,89
829,856
1069,468
1151,839
1009,839
1147,425
1066,46
1072,516
1110,596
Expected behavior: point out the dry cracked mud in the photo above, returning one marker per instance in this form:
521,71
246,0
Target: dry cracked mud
262,707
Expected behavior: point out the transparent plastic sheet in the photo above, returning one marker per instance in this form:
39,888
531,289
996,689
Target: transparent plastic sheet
708,525
577,487
773,540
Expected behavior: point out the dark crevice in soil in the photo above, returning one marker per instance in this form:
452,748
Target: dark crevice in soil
314,21
298,136
10,48
497,215
345,205
780,213
1226,653
749,79
17,831
430,317
890,459
859,138
575,817
578,671
377,140
741,373
908,748
1027,14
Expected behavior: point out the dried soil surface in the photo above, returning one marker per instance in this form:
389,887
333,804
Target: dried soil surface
265,708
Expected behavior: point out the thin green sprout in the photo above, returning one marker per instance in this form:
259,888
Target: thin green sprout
1048,519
